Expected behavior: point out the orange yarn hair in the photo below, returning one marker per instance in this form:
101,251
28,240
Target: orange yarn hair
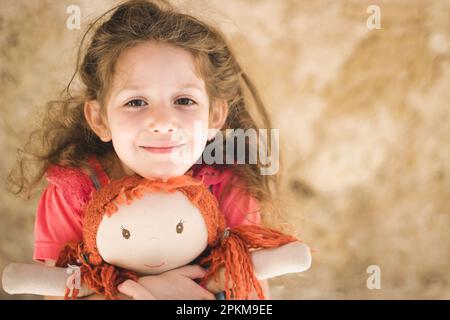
226,247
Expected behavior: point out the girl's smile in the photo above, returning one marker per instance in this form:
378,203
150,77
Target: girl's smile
167,149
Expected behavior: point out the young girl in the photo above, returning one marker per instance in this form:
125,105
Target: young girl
147,74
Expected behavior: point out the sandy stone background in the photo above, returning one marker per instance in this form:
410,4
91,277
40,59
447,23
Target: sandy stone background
363,117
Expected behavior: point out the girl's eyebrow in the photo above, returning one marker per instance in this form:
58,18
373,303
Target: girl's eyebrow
187,85
134,88
124,91
190,86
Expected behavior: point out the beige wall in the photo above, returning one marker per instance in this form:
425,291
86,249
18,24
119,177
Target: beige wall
363,114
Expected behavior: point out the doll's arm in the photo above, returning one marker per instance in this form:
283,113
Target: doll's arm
268,263
290,258
28,278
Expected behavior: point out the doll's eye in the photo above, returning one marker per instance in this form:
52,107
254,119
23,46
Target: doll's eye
180,226
125,233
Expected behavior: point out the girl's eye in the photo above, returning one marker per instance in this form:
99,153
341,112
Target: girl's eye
180,227
125,233
136,103
186,101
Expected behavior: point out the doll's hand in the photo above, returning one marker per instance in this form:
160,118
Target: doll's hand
176,284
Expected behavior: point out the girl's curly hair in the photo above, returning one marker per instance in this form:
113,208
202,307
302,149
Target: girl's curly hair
66,139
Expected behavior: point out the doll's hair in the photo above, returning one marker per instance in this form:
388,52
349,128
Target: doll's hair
227,247
66,139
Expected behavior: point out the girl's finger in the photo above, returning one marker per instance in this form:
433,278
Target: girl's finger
193,271
135,291
208,295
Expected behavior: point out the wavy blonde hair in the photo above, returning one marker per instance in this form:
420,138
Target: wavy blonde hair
66,139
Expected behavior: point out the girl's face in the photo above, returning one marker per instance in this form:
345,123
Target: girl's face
157,111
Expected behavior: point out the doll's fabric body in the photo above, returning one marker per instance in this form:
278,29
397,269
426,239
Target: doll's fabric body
58,217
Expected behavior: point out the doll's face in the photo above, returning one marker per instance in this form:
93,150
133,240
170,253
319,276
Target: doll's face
157,233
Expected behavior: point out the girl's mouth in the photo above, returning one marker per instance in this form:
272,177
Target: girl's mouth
156,266
159,149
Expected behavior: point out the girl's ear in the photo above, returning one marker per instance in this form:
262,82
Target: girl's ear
95,119
217,117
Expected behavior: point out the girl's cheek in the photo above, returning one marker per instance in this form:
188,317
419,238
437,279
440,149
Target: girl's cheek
124,121
197,119
194,122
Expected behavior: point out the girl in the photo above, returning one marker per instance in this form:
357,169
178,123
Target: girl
154,83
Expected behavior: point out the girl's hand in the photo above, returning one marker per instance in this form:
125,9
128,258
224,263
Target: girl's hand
176,284
134,291
96,296
216,286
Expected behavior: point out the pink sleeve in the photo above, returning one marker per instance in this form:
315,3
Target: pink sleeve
237,205
56,223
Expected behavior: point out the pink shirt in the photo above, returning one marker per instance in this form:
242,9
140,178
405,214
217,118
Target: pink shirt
58,216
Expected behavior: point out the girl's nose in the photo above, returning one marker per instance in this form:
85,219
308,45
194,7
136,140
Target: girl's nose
161,121
161,129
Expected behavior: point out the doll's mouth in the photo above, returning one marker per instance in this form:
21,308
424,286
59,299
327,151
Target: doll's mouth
155,266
